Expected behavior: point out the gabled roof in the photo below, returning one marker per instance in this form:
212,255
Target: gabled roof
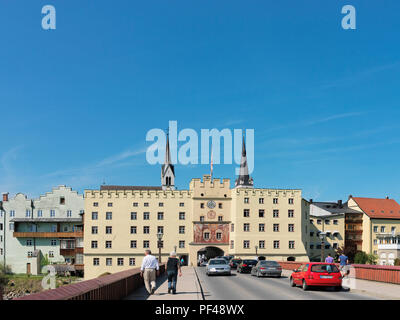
379,208
332,208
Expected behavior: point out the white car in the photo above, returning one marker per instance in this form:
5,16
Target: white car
218,266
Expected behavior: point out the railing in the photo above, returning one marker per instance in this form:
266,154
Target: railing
77,234
388,274
111,287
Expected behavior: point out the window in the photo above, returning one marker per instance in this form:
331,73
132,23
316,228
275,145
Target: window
181,204
232,244
30,254
161,204
246,213
95,204
120,261
146,215
11,226
146,244
62,200
291,201
160,229
291,227
393,229
12,213
181,244
181,229
135,204
311,246
108,215
311,221
51,254
375,228
335,222
94,215
261,244
96,261
327,221
94,244
29,242
206,235
261,213
220,205
109,204
181,216
132,261
311,234
108,230
319,221
246,244
275,213
160,216
133,215
382,229
375,241
108,244
146,229
69,213
276,227
246,200
133,244
261,227
276,244
201,218
108,261
95,230
218,235
54,228
261,200
291,213
53,242
27,213
291,244
146,204
40,213
232,227
160,244
220,218
201,205
246,227
275,200
335,245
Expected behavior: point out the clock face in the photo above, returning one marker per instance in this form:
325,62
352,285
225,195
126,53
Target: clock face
211,204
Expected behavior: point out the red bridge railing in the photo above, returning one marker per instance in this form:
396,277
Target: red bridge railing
111,287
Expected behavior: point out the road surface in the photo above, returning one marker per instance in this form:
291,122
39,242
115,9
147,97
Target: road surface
246,287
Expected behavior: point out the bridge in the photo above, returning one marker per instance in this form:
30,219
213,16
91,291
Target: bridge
371,282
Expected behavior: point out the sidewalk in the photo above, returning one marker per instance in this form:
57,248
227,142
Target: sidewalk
380,290
187,288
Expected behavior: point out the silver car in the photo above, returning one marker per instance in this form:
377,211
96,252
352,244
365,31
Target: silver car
218,266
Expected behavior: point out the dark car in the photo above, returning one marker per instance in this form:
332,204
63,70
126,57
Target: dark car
246,265
267,268
234,263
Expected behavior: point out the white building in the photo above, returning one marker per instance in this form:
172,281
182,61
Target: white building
48,227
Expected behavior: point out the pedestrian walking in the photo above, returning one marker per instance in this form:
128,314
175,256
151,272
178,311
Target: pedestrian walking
149,270
182,261
343,261
173,268
329,259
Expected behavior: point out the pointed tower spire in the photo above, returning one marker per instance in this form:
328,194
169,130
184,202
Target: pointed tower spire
244,180
167,170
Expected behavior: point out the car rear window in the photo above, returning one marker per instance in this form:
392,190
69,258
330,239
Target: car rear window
270,263
236,260
249,261
220,261
324,268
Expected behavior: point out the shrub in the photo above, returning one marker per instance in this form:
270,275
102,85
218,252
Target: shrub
361,257
397,262
372,258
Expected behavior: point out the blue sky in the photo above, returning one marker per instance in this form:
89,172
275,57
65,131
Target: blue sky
76,102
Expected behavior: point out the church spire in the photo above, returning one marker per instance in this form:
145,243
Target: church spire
167,170
244,180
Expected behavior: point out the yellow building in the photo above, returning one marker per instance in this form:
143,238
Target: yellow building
210,219
374,219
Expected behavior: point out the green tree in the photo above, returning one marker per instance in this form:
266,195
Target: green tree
361,257
397,262
372,258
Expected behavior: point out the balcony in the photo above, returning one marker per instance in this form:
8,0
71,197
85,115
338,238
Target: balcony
76,234
70,252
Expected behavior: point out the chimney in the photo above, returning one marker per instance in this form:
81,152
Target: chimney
340,203
387,198
350,196
5,196
311,200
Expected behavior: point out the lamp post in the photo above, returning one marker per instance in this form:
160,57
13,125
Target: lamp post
256,250
159,237
322,237
4,233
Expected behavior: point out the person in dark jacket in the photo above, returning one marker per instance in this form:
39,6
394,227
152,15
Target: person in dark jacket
173,268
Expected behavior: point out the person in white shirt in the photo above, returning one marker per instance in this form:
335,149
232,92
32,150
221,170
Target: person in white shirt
148,271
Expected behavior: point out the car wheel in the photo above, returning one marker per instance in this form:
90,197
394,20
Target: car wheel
292,284
338,288
305,286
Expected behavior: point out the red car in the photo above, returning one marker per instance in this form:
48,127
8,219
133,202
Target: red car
317,274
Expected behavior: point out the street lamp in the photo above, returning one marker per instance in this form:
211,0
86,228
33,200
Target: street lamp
159,237
322,237
256,249
5,235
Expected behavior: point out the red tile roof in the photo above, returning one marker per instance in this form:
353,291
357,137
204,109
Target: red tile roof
379,208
